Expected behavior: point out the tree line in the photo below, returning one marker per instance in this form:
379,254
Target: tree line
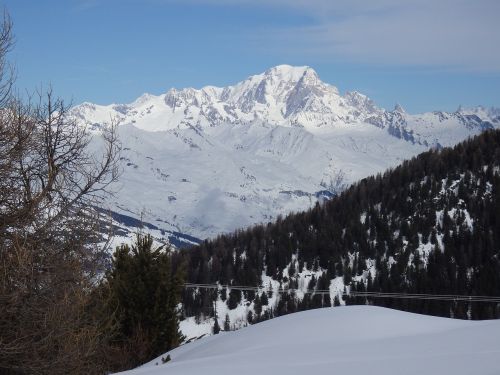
431,225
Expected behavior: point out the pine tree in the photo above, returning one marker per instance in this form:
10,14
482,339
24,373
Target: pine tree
216,327
143,296
263,299
250,317
380,222
227,323
234,299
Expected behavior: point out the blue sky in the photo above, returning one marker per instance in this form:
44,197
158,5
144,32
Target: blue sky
424,54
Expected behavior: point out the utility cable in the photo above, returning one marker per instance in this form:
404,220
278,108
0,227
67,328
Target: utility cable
418,296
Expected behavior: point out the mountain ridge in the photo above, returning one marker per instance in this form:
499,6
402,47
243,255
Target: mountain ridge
283,95
209,155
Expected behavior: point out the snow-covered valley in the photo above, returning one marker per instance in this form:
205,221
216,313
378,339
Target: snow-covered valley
197,163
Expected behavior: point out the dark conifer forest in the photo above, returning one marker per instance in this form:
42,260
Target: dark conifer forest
105,200
431,225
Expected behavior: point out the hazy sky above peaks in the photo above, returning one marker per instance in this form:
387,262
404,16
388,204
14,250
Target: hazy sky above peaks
423,54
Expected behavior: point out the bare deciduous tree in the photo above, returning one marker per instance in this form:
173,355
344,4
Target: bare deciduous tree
50,184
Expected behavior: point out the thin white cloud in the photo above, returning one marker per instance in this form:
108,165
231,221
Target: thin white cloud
458,34
83,5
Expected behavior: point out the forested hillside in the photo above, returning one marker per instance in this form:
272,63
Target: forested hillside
217,159
431,225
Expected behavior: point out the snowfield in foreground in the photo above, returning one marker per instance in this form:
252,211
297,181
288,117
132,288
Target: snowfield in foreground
342,340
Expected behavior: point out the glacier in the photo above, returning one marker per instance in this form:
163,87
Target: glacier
200,162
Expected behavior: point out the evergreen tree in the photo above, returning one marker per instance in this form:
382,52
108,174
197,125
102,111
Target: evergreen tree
216,327
250,317
430,225
263,299
227,323
234,299
143,296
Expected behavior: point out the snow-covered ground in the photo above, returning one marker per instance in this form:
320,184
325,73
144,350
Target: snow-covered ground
342,340
201,162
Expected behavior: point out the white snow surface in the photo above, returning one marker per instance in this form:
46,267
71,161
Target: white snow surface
342,340
207,161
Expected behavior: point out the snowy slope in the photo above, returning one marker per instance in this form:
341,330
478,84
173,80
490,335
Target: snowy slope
205,161
343,340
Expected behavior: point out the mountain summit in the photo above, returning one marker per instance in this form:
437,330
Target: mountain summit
281,96
210,160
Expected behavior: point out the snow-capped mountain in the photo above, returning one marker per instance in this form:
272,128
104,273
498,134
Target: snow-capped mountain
204,161
345,340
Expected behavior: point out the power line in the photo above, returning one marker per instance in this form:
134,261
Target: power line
418,296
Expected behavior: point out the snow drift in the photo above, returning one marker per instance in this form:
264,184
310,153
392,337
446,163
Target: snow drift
342,340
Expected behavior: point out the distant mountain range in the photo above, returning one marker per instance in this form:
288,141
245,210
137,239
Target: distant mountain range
200,162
